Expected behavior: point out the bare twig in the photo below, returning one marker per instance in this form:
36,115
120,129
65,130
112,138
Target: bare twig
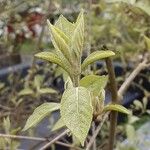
19,137
54,140
114,95
97,131
36,139
132,76
93,131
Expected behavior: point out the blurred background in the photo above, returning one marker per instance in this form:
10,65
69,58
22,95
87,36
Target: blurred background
25,82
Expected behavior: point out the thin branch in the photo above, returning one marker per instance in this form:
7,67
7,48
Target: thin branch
114,96
54,140
19,137
97,131
36,139
93,131
67,145
131,77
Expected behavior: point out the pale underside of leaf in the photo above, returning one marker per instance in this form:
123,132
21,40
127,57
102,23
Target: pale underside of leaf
40,113
51,57
76,111
116,107
95,56
94,83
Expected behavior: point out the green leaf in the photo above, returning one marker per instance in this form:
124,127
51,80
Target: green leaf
64,25
40,113
60,41
26,91
116,107
147,42
94,83
95,56
77,39
51,57
77,111
47,91
58,125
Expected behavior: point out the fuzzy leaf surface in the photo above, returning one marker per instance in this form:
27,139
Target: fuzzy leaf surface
95,56
51,57
116,107
40,113
60,41
77,111
94,83
78,36
64,25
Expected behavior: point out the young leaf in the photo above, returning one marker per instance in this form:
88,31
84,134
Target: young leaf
76,111
78,36
64,25
51,57
95,56
94,83
58,125
116,107
40,113
47,91
60,41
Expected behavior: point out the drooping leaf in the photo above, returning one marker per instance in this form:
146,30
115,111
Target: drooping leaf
94,83
47,91
26,91
40,113
116,107
64,25
95,56
77,39
58,125
60,41
76,111
51,57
